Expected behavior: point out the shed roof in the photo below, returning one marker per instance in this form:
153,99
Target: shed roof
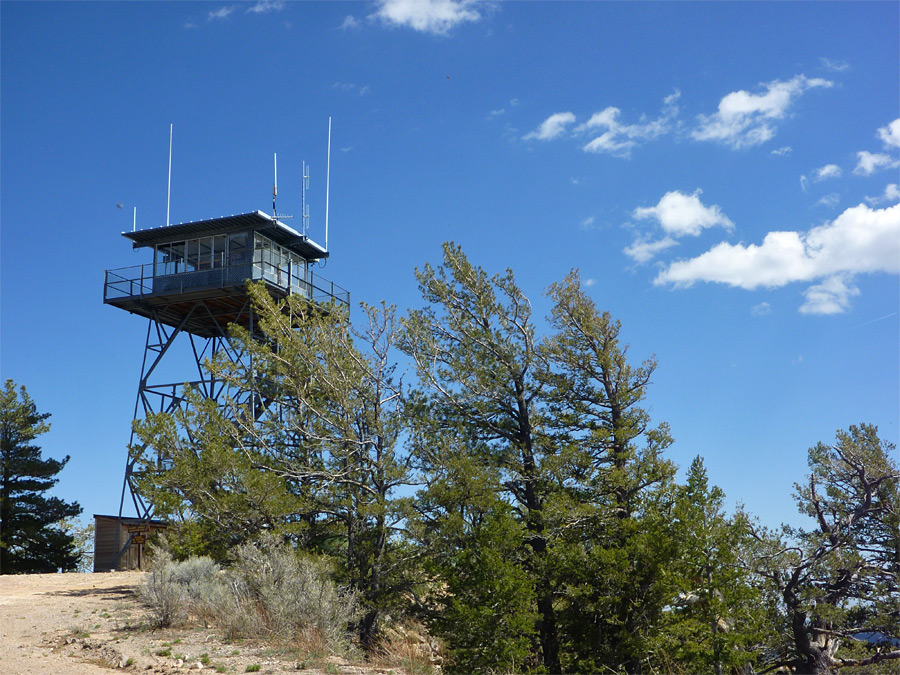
255,220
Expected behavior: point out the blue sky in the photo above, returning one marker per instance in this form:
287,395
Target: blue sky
724,175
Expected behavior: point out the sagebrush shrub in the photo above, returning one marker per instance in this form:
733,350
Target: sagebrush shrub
268,591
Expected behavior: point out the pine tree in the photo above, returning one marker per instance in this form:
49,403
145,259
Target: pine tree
839,578
30,538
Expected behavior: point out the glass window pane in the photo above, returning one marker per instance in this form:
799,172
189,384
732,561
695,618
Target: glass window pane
218,250
237,248
193,254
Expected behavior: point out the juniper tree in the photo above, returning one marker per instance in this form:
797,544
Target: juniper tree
839,578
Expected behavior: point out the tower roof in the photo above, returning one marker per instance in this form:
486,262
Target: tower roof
255,220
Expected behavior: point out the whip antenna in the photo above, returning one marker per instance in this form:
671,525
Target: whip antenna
327,182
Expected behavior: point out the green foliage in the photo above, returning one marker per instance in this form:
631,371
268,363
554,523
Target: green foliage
546,533
717,619
838,578
313,456
31,539
550,435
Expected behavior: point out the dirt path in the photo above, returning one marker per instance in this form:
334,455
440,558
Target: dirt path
38,612
88,624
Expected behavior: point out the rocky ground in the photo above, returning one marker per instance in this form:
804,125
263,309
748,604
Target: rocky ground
87,624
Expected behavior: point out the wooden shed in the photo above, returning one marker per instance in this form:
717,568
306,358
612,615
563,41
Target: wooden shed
119,542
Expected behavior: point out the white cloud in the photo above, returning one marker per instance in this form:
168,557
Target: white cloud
822,173
496,113
429,16
352,88
781,152
643,250
552,127
618,139
829,200
350,23
589,282
835,65
832,296
761,309
744,119
891,194
826,172
870,162
680,214
890,135
514,102
221,13
265,6
586,223
860,240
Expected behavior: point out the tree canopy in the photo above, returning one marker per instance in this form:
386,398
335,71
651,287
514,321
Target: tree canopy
516,496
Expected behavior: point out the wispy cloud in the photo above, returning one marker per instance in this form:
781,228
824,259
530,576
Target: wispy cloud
643,250
350,23
744,119
265,6
552,127
782,151
761,309
832,296
891,194
826,172
869,162
678,215
822,173
890,134
830,200
220,14
352,88
430,16
836,65
619,139
587,223
860,240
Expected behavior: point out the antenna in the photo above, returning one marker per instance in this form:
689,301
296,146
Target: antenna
275,187
304,208
134,224
327,182
169,197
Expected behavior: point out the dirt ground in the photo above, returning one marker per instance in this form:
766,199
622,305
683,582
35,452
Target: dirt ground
87,624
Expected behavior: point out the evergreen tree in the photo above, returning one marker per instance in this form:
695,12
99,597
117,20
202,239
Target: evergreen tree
615,492
553,435
320,465
30,537
838,579
717,620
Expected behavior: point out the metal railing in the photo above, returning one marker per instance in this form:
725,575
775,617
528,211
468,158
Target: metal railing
140,281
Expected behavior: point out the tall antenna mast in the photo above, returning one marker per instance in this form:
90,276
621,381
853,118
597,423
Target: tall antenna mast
169,197
275,187
304,208
327,182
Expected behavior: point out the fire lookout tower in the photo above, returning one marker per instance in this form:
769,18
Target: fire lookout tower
192,290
